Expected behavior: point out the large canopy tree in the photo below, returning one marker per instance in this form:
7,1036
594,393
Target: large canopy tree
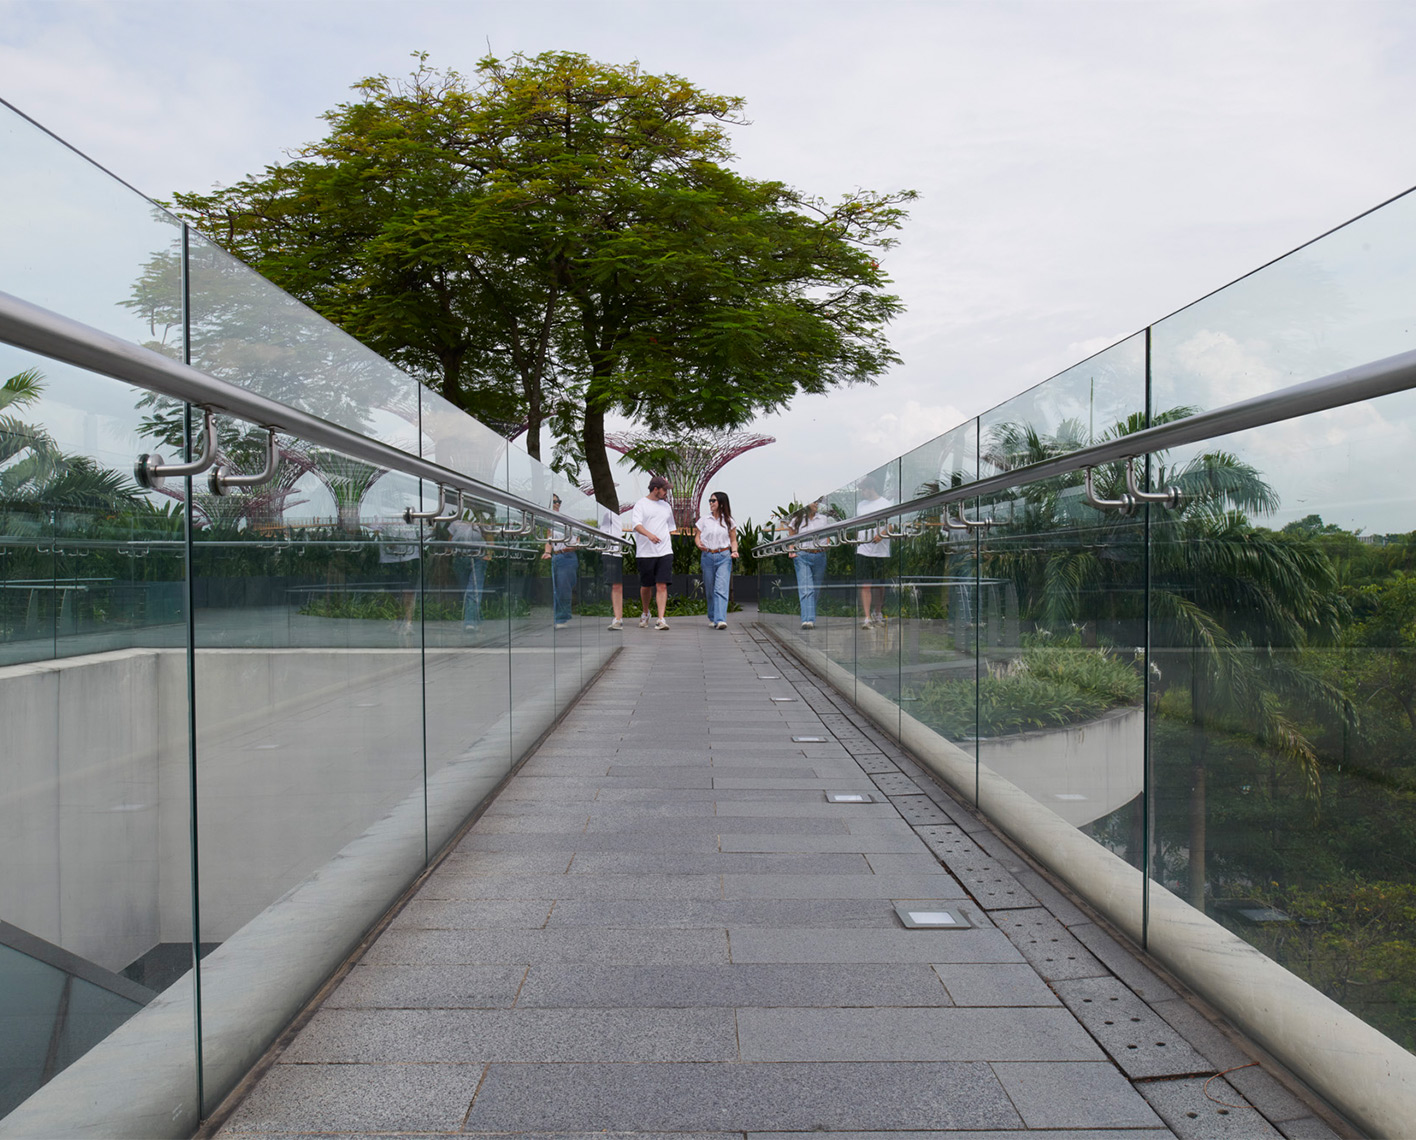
561,241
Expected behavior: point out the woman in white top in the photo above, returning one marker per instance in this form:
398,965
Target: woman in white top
716,537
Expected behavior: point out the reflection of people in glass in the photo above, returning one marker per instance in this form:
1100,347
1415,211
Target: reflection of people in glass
809,559
612,564
399,546
716,538
470,563
565,569
872,556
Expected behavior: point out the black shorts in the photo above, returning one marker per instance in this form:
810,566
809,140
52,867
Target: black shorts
655,570
612,567
870,569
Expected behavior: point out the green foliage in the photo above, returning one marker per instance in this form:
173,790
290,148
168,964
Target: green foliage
532,244
1354,940
1044,688
389,606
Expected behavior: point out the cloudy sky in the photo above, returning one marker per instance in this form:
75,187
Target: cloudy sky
1084,167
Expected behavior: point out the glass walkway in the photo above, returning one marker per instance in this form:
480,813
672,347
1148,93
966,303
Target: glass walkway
1124,666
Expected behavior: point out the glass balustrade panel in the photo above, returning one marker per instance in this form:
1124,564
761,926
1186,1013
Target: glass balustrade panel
1059,608
95,863
1337,302
310,751
1095,400
1282,740
79,242
250,333
937,586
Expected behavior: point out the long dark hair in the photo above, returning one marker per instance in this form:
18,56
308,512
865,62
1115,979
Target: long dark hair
725,511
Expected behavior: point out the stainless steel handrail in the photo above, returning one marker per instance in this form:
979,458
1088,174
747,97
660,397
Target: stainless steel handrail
1382,377
36,329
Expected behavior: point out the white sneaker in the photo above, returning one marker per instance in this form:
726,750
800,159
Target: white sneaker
722,625
808,625
865,624
661,624
617,625
644,622
561,624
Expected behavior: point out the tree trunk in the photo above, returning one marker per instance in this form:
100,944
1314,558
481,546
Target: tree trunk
597,456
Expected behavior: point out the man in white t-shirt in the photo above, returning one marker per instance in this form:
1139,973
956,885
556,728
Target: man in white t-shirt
652,522
872,556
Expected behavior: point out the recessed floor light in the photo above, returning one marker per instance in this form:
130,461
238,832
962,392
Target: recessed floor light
849,798
783,700
1068,796
811,739
768,677
931,916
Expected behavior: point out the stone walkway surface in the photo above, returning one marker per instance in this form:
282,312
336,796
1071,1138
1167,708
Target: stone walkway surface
663,926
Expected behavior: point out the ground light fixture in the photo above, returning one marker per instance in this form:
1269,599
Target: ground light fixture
849,798
927,915
811,740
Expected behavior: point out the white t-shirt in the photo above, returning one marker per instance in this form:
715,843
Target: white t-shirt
657,517
816,522
612,524
879,549
713,533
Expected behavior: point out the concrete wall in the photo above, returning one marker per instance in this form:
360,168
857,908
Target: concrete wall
299,752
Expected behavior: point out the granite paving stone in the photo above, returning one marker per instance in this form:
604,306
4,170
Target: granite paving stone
994,985
359,1099
719,863
1071,1094
1047,944
1203,1109
754,944
956,1034
428,987
1137,1039
383,1036
469,914
893,843
835,986
902,885
850,913
567,944
1119,961
1161,1133
697,1097
468,885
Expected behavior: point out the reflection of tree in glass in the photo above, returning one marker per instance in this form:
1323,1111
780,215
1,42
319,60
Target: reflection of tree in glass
249,333
1227,601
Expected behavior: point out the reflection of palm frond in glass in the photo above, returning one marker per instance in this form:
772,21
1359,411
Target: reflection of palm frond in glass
37,476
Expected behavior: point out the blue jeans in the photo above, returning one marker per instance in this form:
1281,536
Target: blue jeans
472,595
565,570
717,575
811,576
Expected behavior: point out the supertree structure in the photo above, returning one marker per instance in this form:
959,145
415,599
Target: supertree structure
689,461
